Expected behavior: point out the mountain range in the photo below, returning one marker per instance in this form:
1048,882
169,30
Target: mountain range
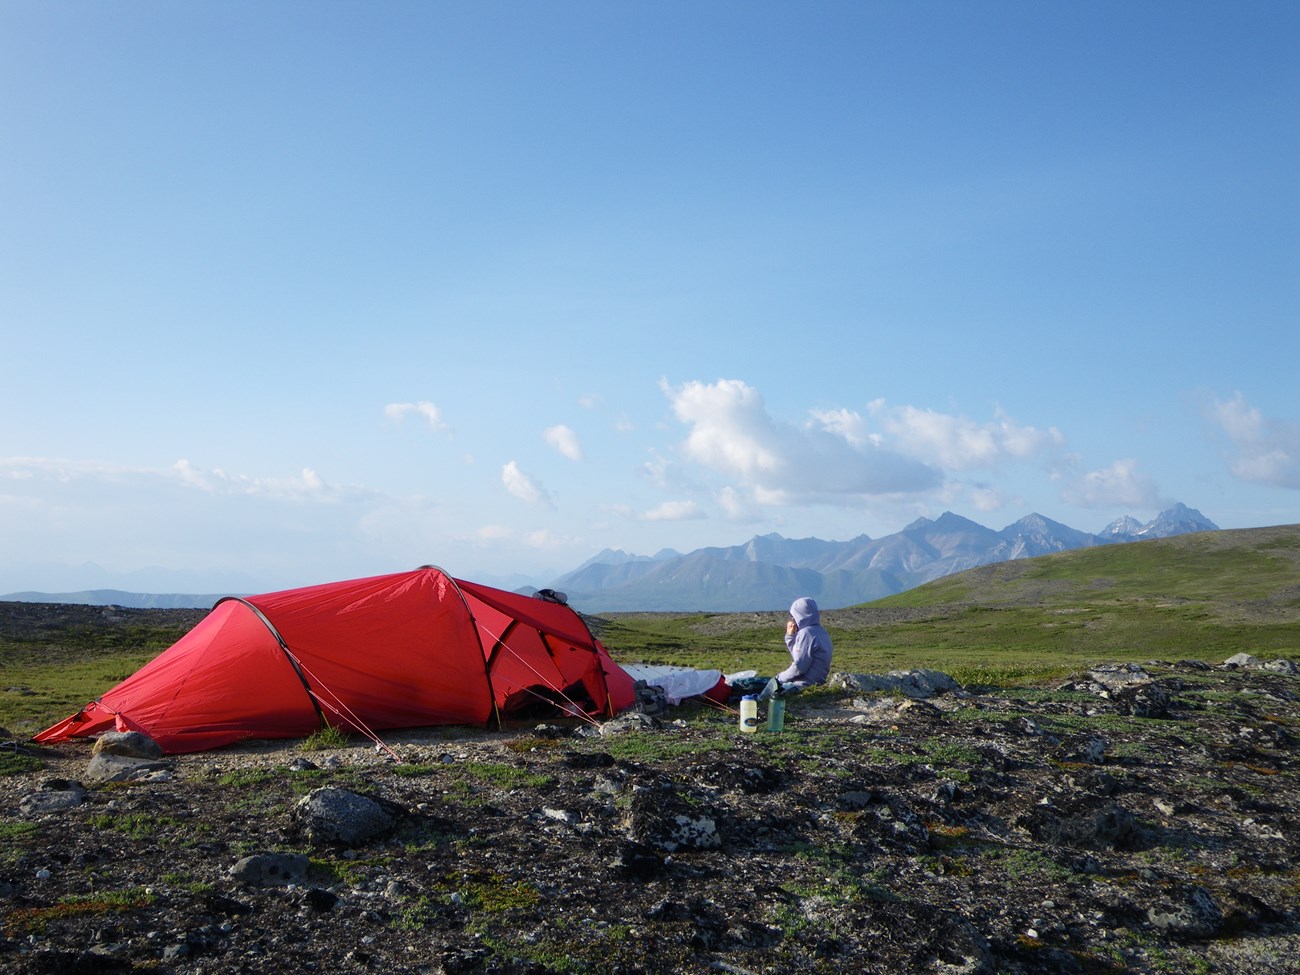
769,571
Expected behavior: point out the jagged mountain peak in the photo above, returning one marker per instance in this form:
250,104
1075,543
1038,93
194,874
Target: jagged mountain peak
1126,525
768,570
1178,520
1175,520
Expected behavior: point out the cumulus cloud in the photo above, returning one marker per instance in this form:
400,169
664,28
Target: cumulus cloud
986,498
308,485
397,412
523,486
1266,450
564,441
831,459
674,511
957,443
1119,484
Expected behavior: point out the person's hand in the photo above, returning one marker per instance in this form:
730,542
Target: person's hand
791,626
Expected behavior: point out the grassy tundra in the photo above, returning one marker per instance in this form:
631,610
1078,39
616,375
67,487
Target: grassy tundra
1205,596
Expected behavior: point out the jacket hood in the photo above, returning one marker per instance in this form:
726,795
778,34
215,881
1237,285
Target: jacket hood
805,612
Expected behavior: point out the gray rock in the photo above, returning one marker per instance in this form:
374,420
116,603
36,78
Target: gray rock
1084,823
55,795
1189,913
1090,749
631,721
1241,660
333,815
664,820
1114,677
854,801
1149,700
889,711
271,869
130,744
919,683
106,767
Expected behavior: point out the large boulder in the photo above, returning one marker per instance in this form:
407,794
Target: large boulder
662,819
129,744
919,683
271,869
1084,822
338,816
55,795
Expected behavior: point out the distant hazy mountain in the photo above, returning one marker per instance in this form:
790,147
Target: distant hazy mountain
768,571
116,597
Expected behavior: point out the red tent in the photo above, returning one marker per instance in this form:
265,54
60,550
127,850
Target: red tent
397,651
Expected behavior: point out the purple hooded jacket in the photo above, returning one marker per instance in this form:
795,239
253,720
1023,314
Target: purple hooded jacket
809,646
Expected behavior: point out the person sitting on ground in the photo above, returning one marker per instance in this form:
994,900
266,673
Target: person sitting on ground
810,651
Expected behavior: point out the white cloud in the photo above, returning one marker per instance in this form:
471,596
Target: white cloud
1266,449
850,425
67,471
398,412
831,460
564,441
986,498
674,511
523,486
957,443
732,503
549,541
307,486
1119,484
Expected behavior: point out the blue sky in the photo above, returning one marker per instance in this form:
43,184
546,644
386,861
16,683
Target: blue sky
300,291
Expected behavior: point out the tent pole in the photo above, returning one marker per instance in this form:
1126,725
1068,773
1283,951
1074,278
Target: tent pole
293,661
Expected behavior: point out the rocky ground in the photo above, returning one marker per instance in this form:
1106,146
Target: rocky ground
1136,819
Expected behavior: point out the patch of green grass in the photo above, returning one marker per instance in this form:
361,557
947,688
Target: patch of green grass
504,776
326,739
1028,865
15,763
417,914
496,893
36,920
414,770
59,685
12,835
138,826
638,747
243,778
16,829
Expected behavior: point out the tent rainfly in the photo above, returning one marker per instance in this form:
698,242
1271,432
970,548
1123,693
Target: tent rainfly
406,650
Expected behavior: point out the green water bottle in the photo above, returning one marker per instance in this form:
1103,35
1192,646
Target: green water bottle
776,714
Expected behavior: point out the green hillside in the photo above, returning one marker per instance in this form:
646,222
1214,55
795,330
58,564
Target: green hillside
1235,571
1205,596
